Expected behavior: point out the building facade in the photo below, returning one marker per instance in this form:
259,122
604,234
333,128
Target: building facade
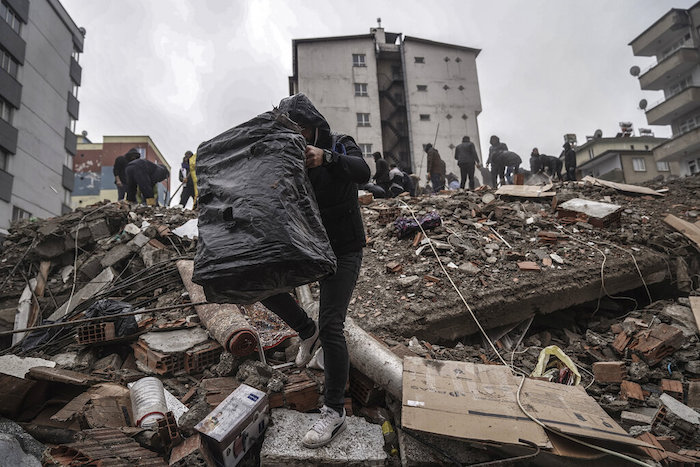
674,41
393,94
40,46
94,163
623,159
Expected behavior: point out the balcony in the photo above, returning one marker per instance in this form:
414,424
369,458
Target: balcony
666,71
671,27
679,146
76,71
70,141
73,105
8,137
674,107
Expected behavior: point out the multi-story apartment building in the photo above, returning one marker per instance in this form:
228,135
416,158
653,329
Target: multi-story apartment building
674,41
39,78
93,165
392,93
624,159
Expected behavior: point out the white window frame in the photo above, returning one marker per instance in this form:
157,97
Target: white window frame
663,166
362,119
359,60
361,90
366,149
639,164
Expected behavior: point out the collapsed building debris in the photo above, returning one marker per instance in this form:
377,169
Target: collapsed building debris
615,293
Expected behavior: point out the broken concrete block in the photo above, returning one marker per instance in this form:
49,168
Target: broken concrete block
92,267
678,420
594,212
362,443
103,280
694,394
609,372
408,281
138,241
20,366
99,229
633,418
116,254
683,317
152,254
132,230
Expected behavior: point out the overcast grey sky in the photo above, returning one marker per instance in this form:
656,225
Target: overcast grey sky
184,71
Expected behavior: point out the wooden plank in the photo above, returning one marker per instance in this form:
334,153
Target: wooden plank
691,231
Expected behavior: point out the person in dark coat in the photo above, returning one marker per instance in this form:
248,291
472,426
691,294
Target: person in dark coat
436,168
535,161
381,173
467,160
569,156
119,171
552,165
335,167
142,175
496,160
511,162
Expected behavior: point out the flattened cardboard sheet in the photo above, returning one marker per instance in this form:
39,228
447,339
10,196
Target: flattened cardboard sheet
467,400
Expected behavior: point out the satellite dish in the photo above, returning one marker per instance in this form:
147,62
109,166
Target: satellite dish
84,133
643,104
598,134
634,71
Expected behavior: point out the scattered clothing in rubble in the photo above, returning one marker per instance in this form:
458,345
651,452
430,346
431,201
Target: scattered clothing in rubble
405,226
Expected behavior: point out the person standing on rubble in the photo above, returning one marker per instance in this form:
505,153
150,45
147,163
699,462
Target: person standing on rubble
467,159
381,173
142,176
188,176
436,168
569,156
496,160
335,168
119,171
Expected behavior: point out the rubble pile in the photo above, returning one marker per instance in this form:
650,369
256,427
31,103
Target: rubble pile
605,277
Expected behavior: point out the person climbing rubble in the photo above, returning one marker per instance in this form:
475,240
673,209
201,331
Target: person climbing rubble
335,167
142,176
495,160
119,171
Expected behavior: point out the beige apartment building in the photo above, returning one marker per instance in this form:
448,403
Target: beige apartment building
623,159
674,41
392,93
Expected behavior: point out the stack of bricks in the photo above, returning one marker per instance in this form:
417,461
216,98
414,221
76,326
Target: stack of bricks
657,343
93,333
387,215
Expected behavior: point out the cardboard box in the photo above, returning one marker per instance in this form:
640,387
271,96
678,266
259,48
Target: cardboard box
235,424
471,401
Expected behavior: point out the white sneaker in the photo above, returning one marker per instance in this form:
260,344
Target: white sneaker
327,427
307,347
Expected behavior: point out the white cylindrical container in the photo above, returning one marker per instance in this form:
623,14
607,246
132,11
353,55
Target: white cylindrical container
148,401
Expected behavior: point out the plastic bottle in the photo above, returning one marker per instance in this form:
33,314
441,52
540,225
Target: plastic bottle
148,401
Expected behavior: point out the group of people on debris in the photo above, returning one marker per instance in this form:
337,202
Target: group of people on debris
137,178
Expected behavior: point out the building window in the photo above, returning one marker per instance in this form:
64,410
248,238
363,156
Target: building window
422,87
663,166
10,17
19,213
366,149
679,86
424,117
419,59
590,153
688,124
693,167
76,55
361,89
358,60
362,119
5,111
8,63
74,90
639,165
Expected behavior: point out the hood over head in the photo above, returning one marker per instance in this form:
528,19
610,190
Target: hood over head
465,139
302,111
567,145
132,154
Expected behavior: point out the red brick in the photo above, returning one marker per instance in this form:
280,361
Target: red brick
609,372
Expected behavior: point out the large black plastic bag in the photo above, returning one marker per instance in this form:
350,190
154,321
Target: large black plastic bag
260,231
125,325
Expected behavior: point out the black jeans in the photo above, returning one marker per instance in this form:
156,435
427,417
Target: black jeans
467,170
187,192
571,174
336,291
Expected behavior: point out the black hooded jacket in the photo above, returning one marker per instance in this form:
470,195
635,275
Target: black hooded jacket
334,183
465,153
143,174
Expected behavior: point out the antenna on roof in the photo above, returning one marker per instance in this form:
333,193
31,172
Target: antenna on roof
379,22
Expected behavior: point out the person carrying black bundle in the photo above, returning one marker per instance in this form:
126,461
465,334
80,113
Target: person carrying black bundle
142,176
335,168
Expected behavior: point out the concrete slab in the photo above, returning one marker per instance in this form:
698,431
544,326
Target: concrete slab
361,444
415,454
175,341
19,366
